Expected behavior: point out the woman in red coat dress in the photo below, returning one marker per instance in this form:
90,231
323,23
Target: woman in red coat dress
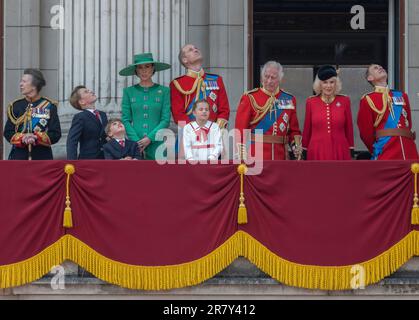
328,130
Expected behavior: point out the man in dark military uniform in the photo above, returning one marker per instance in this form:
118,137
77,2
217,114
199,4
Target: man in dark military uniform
33,125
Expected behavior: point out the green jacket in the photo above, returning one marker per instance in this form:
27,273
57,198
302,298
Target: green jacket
145,111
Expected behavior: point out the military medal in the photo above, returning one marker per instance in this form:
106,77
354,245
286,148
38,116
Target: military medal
398,101
43,122
213,96
338,105
275,131
215,108
282,127
208,85
286,118
286,105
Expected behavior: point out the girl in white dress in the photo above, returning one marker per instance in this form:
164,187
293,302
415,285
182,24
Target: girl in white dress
202,138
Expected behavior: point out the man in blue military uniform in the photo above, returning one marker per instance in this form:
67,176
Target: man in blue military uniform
33,125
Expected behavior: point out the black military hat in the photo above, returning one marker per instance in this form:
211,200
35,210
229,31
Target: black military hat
327,72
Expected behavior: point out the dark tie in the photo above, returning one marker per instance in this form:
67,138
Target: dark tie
97,114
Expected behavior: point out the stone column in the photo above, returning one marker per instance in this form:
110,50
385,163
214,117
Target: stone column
413,59
217,27
101,37
22,45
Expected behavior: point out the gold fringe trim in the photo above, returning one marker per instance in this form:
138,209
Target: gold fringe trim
28,271
329,278
196,272
154,278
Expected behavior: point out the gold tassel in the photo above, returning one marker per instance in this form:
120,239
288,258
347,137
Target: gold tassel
415,210
242,170
68,215
68,218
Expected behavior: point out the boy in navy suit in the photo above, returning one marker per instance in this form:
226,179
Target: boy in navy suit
87,128
118,147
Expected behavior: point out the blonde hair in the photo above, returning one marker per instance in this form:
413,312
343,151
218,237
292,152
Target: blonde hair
318,88
110,123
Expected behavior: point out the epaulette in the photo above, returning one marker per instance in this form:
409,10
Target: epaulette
251,91
212,75
367,94
17,100
180,77
54,102
290,94
11,115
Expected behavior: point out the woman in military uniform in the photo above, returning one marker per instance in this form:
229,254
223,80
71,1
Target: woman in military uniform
33,125
145,106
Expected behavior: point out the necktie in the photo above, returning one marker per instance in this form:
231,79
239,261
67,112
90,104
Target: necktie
97,114
122,143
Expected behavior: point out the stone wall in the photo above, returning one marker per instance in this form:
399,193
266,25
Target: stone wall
240,281
218,28
413,59
99,38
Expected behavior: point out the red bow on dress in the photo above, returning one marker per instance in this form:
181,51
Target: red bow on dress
202,132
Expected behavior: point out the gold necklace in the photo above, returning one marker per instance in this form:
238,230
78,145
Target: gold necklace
328,100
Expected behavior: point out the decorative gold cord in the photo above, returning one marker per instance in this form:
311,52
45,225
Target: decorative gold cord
68,216
242,218
415,209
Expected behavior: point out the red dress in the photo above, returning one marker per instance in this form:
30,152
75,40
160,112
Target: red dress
328,130
275,116
370,123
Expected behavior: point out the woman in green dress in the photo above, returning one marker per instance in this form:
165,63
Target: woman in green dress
146,106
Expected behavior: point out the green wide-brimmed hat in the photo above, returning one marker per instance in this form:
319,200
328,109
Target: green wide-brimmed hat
144,58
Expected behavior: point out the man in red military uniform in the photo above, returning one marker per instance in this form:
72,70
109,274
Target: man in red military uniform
385,121
270,115
198,85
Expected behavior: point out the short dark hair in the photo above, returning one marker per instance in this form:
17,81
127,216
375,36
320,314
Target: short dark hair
38,80
195,105
75,97
110,123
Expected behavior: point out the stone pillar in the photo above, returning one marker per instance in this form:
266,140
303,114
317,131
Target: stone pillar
22,45
413,59
217,27
30,42
100,38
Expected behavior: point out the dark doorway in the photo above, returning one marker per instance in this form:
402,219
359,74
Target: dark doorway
301,32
